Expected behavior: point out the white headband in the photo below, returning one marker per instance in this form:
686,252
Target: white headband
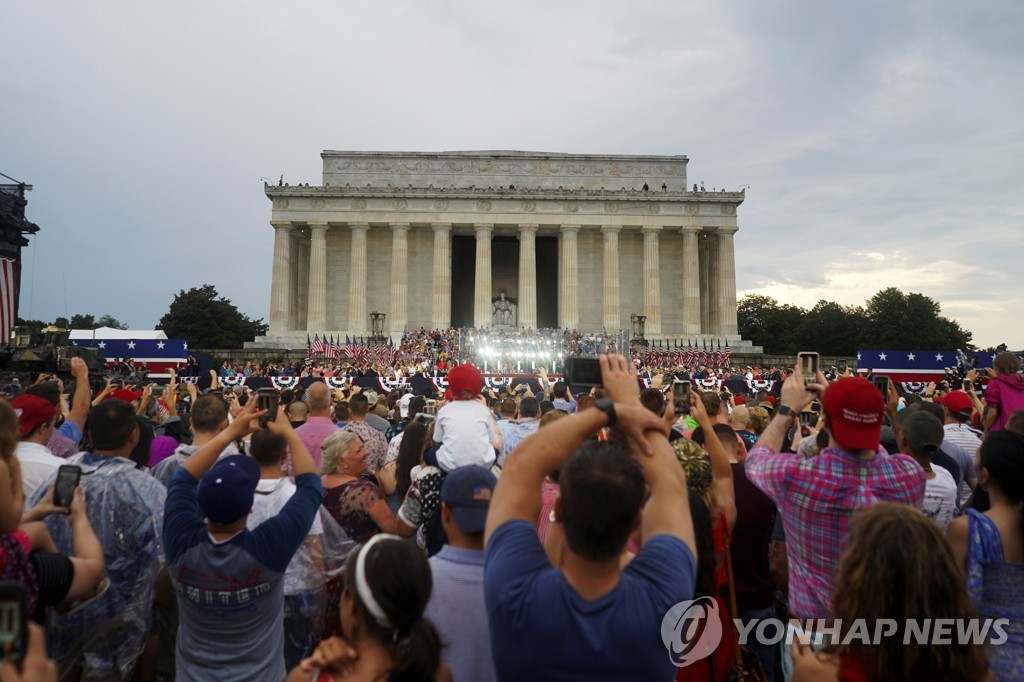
363,587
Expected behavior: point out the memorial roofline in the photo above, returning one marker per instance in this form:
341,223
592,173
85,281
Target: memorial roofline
510,154
622,194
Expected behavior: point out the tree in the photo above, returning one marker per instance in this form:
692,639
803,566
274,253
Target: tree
110,321
766,322
899,321
831,329
207,320
90,322
83,321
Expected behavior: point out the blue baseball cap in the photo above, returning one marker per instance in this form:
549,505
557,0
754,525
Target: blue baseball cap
467,492
227,490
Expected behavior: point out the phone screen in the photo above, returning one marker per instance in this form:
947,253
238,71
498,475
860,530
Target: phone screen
681,396
267,399
13,622
583,372
68,476
808,366
882,384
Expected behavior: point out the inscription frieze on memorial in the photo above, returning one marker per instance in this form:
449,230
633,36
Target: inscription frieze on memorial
503,169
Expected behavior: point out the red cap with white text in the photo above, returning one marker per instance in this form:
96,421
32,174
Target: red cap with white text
856,411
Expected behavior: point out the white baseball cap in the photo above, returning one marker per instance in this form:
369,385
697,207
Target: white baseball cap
403,405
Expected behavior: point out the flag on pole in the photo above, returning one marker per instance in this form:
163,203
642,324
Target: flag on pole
309,347
727,357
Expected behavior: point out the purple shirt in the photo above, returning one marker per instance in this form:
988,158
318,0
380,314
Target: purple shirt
313,434
816,498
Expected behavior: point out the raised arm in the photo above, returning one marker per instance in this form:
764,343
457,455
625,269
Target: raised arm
721,469
200,462
81,400
518,493
88,553
796,396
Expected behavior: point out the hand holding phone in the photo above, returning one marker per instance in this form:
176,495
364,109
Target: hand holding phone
807,361
68,476
267,400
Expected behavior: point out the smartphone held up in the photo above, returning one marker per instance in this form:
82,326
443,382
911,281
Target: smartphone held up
267,400
807,361
681,396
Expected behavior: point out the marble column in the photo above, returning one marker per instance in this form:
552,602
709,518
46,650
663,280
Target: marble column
399,309
612,318
482,306
316,317
691,282
652,281
298,242
569,273
705,303
442,304
528,276
727,323
281,279
357,320
714,324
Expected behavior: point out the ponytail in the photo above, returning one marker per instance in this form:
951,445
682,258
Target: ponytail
417,656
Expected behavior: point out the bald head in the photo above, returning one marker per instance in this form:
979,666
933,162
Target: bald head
740,417
318,398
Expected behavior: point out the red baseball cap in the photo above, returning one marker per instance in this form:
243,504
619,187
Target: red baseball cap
856,411
32,411
957,402
465,379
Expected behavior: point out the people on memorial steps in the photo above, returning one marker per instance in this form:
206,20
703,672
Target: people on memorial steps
589,526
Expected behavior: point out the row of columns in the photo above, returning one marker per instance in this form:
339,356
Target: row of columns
710,260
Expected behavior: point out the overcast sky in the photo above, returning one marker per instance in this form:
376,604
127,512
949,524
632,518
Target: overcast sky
882,140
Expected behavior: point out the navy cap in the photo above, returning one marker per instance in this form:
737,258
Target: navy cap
227,490
467,492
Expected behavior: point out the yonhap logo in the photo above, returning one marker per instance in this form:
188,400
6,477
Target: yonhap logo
691,631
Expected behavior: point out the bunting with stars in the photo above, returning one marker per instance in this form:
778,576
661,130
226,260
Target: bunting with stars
158,354
906,365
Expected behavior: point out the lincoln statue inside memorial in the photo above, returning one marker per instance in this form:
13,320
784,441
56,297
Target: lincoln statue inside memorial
501,240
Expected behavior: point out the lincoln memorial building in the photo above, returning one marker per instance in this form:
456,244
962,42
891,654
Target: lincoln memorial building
502,239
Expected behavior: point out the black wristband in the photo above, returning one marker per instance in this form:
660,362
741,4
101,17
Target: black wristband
608,407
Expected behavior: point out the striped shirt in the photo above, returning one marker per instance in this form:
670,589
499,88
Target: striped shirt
457,610
816,498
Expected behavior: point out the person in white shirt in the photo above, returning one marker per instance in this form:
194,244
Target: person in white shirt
37,420
305,596
465,428
920,434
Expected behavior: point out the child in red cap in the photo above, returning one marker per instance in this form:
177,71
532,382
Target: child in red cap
465,428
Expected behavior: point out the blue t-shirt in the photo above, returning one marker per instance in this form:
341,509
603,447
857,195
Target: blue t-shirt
231,593
542,629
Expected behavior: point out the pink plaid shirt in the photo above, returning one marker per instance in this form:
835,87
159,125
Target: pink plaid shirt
816,498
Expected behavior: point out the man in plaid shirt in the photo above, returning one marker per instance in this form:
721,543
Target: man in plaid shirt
818,496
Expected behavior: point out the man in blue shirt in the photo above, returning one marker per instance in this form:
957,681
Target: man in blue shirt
456,606
588,619
229,580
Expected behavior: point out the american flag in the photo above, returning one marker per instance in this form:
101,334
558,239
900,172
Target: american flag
727,355
716,355
703,358
318,345
691,353
8,300
309,348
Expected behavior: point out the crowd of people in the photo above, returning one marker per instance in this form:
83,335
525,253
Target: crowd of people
321,533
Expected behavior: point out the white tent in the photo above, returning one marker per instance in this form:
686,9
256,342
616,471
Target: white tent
116,334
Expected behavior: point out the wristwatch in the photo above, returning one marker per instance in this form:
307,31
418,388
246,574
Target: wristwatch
608,407
784,411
